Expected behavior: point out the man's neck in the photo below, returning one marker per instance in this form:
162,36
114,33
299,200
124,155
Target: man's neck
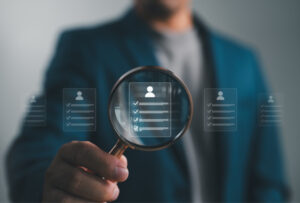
178,22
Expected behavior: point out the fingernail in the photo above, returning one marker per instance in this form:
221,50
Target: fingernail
121,173
116,193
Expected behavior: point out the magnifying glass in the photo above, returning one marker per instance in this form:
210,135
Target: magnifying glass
149,109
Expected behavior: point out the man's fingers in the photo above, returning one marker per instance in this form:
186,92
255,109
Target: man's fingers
82,172
124,159
92,157
87,186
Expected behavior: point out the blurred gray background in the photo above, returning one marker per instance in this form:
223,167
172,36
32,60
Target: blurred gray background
29,30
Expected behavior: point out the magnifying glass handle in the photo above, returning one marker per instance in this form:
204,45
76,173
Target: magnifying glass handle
118,149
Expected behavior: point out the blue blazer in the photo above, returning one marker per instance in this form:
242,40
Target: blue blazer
248,164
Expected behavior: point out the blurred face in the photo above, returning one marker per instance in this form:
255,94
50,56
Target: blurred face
160,9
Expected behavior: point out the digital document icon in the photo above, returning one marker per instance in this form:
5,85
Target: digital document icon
79,109
150,112
36,112
220,109
270,109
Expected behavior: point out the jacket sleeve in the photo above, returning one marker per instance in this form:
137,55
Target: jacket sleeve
267,179
35,147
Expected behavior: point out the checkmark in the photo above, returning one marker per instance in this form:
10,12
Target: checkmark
209,104
136,128
68,104
135,111
136,103
136,119
69,111
209,111
68,124
209,117
69,117
209,124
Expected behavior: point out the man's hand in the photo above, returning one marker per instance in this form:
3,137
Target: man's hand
82,172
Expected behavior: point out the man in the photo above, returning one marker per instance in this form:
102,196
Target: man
246,165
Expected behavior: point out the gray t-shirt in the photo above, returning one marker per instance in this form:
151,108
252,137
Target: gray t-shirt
182,54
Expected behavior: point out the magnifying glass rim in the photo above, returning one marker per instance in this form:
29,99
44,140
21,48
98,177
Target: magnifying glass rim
171,74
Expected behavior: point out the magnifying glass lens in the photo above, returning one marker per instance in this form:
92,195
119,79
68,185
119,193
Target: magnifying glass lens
150,108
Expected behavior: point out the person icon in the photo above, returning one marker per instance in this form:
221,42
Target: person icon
32,99
220,96
271,99
149,93
79,96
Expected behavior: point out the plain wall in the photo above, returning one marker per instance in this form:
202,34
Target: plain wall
29,30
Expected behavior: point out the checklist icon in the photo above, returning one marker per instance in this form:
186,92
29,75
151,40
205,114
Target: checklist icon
270,109
79,109
36,112
150,109
220,106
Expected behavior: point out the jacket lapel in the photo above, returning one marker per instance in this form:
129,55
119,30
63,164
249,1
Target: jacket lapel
213,172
